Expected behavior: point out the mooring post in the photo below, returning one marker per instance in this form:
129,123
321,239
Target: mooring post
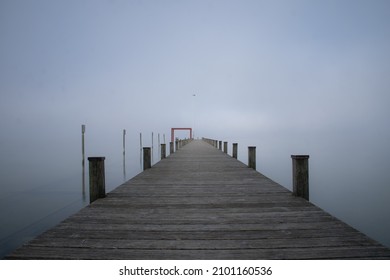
140,150
235,149
163,151
124,155
225,147
220,145
147,158
300,167
151,152
83,159
171,148
97,183
252,157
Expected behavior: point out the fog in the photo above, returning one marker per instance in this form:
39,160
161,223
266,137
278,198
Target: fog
289,77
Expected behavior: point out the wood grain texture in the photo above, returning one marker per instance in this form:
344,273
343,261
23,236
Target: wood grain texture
200,203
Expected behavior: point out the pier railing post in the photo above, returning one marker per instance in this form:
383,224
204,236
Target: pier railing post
235,149
147,158
97,183
171,148
225,147
300,167
163,151
252,157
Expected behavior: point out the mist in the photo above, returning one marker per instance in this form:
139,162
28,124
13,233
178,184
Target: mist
289,77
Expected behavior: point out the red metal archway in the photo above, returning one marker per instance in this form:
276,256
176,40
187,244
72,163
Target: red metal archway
179,128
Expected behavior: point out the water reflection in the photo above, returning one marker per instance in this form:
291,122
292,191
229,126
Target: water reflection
25,214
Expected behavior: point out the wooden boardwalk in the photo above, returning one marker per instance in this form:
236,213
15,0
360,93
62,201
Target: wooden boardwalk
200,203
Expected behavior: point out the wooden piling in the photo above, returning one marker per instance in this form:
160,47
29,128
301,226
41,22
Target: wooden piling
225,147
220,145
151,152
252,157
124,155
147,158
83,145
300,168
140,150
171,148
235,150
83,159
163,151
97,184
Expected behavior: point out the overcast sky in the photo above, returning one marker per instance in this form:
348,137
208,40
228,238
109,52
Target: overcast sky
294,76
279,64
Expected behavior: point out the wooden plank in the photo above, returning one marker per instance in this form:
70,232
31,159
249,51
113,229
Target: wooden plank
199,203
196,244
203,235
358,252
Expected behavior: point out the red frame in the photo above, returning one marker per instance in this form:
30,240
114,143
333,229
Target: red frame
179,128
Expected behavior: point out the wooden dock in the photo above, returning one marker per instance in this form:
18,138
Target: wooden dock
200,203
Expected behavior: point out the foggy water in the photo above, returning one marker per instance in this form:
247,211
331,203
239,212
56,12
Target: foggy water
42,184
27,213
40,187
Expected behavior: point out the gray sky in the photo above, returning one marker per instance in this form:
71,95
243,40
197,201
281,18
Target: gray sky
253,64
288,76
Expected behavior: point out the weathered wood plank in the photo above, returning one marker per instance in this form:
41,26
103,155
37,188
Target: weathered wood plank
204,235
199,203
358,252
194,227
198,244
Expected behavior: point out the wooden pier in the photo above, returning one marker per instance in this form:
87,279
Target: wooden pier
200,203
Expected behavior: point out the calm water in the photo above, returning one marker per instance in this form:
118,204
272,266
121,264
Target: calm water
36,203
38,195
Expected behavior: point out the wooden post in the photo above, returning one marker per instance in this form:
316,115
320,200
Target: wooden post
124,155
163,151
235,150
252,157
140,150
151,152
147,158
97,184
225,147
300,166
177,145
220,145
158,144
124,142
83,159
171,148
82,145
